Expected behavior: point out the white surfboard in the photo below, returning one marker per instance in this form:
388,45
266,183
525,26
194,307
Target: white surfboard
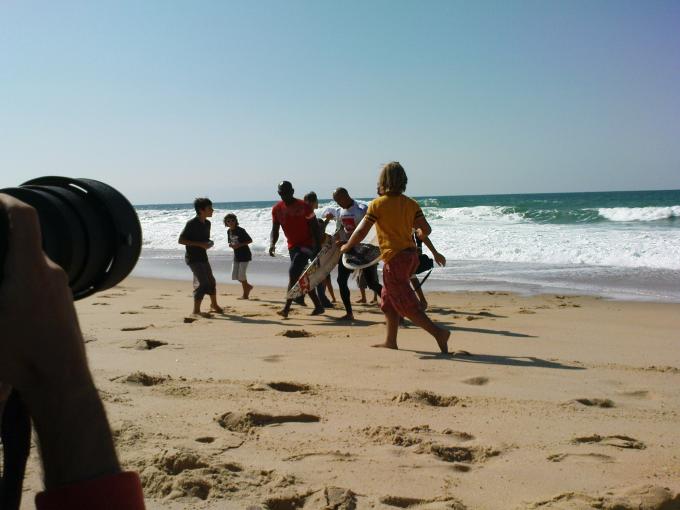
317,270
364,254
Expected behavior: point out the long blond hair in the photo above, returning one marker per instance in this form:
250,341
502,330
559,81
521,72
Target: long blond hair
392,179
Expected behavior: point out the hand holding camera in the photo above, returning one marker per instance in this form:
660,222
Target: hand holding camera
91,239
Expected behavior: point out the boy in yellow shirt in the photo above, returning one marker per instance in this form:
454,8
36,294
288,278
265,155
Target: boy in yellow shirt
395,216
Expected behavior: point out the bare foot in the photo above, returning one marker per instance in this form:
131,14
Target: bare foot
242,297
386,346
443,340
247,292
283,313
216,309
317,311
347,317
360,300
205,315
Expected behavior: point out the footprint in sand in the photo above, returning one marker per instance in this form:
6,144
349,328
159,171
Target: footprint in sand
153,307
422,504
146,344
130,312
427,398
183,473
649,497
580,457
289,387
337,498
274,358
205,439
286,501
335,455
477,381
145,379
136,328
465,454
595,402
243,422
637,394
295,333
460,436
617,441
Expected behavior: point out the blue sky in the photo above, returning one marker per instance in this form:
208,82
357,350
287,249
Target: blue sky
168,100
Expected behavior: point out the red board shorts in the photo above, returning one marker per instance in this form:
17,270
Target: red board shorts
397,293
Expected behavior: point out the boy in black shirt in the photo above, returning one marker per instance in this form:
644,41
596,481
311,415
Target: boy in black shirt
239,241
196,238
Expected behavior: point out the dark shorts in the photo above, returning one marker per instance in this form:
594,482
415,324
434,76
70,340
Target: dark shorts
299,258
397,293
204,281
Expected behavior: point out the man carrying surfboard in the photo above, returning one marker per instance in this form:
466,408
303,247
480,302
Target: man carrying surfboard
350,215
395,215
302,233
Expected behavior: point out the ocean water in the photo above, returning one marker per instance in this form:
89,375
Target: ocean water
613,244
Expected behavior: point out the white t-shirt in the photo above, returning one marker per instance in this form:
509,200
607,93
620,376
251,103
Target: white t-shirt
349,218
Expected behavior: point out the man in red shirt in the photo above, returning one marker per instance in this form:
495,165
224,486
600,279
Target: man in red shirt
302,233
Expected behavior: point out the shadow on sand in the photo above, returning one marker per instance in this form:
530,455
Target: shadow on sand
495,359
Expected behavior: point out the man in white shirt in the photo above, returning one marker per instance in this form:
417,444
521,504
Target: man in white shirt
349,215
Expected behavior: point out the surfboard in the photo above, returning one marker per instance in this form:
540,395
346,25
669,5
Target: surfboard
317,270
364,254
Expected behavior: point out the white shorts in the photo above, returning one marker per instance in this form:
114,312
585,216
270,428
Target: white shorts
238,271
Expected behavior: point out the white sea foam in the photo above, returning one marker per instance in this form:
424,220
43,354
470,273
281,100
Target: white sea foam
161,228
639,213
476,214
483,233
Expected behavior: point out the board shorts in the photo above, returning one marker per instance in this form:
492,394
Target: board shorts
204,281
397,294
238,270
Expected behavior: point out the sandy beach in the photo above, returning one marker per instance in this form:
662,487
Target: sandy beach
548,402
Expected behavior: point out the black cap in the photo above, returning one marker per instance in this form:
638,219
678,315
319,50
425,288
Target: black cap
285,188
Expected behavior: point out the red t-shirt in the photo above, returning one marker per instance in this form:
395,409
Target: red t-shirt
294,219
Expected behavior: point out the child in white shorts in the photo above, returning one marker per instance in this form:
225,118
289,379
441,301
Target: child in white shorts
239,241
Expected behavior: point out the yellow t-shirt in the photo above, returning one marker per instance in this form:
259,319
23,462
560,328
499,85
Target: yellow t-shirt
393,216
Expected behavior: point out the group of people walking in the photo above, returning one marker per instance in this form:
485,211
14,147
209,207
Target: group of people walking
400,226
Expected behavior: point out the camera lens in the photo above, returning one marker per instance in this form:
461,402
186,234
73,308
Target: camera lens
88,228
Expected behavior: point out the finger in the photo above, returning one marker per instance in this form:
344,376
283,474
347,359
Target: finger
24,239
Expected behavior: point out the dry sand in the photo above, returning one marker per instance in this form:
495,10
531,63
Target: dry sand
549,402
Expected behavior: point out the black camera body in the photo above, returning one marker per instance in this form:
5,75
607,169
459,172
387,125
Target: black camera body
91,231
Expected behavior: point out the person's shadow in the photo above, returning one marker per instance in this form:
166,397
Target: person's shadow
452,326
493,359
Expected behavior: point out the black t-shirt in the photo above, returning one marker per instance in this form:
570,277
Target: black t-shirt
239,235
196,230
